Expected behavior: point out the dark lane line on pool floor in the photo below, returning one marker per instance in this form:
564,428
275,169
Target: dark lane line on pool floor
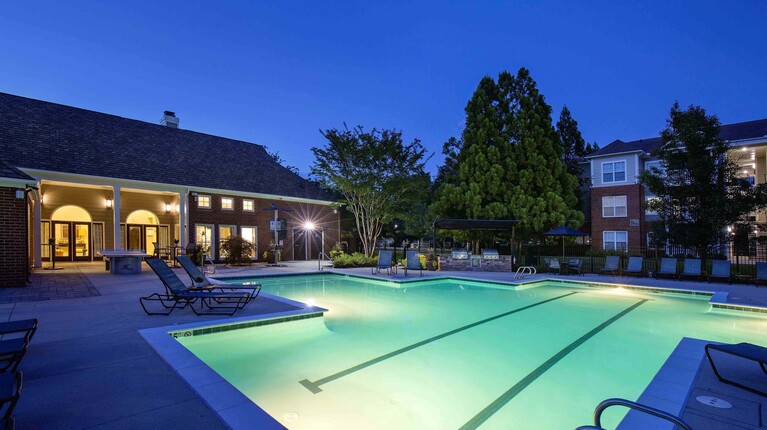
314,386
506,397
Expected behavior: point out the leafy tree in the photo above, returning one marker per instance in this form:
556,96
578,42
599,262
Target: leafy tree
377,175
574,148
698,189
279,160
510,163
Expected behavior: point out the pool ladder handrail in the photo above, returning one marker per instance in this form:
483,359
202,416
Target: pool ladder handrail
602,406
523,271
320,260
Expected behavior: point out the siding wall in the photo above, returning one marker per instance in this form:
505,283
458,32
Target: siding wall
631,169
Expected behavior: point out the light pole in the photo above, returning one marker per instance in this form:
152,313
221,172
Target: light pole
308,228
276,210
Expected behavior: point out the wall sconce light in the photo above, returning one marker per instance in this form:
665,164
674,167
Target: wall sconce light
42,199
335,211
109,203
168,207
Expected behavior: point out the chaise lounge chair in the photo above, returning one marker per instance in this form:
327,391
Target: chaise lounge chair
384,262
612,264
747,351
13,349
691,268
720,269
177,296
554,266
194,274
413,262
10,386
761,273
635,266
667,267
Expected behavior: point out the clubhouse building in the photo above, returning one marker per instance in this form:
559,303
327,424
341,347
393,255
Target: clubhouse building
74,181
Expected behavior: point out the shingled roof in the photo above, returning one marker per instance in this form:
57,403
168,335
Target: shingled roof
11,172
40,135
729,132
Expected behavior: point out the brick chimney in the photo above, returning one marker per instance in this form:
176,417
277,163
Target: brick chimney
169,119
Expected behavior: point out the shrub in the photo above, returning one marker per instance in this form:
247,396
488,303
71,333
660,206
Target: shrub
237,251
195,254
354,260
421,257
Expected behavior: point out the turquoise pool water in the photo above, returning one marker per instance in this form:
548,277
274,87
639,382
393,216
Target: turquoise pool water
450,354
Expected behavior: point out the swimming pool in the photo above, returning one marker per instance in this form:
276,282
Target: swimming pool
457,354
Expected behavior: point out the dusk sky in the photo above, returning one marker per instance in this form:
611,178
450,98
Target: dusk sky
276,73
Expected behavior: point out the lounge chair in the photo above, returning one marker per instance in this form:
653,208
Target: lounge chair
554,266
13,349
177,296
575,265
194,274
612,264
413,262
747,351
635,266
720,269
761,272
691,268
384,262
667,267
10,387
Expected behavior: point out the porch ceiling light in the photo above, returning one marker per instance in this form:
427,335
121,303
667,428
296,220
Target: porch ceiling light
109,203
168,207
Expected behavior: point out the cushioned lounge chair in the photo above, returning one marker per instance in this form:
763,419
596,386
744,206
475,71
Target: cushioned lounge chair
761,272
10,391
720,269
384,262
612,264
16,338
177,296
635,266
554,266
194,274
413,262
575,265
691,268
26,328
667,267
746,351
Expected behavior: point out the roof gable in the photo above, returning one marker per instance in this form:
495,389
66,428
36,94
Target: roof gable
47,136
10,172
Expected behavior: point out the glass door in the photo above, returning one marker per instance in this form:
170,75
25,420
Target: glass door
134,237
81,243
150,239
61,238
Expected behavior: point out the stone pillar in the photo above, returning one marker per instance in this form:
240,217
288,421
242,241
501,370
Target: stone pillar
36,229
182,215
116,216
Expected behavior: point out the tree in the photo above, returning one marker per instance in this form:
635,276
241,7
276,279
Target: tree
698,189
510,163
377,175
277,159
574,149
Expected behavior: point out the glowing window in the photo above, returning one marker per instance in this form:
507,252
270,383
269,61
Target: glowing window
227,203
247,205
203,202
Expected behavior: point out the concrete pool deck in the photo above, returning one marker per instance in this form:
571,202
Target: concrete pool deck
88,367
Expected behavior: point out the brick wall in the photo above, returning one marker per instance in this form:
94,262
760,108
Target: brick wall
13,231
634,210
322,216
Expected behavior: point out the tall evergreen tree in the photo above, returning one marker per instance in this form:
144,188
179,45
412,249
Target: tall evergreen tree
574,148
510,163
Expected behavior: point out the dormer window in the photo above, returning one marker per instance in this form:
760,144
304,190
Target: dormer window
614,172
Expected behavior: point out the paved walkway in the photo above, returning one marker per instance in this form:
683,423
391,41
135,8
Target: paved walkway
67,283
88,367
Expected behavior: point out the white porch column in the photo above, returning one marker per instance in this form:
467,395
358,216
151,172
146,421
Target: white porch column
116,216
182,229
36,227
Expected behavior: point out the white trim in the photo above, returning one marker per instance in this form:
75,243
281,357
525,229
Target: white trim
15,183
636,151
625,173
156,186
636,167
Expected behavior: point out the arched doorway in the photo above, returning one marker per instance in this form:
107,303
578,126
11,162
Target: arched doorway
142,230
71,233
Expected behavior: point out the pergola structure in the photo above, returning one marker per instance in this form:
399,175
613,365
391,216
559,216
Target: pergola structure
475,224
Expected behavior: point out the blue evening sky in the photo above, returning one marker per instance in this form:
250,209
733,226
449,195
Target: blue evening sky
275,73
